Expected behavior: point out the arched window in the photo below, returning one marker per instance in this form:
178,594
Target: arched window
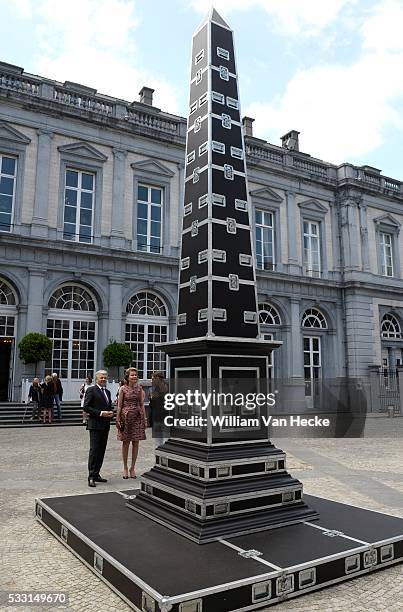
72,297
269,315
72,327
8,318
146,326
313,318
146,303
7,296
390,327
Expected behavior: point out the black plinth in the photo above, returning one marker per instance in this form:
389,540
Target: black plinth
207,492
155,569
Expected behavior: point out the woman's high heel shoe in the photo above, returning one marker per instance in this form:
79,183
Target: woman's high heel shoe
132,473
125,476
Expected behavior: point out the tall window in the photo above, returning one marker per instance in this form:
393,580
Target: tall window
312,363
265,259
146,326
8,174
312,264
72,327
149,218
312,319
78,206
386,251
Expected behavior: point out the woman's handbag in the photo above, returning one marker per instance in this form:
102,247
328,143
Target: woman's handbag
120,422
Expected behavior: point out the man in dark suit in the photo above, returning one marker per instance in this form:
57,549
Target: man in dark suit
98,404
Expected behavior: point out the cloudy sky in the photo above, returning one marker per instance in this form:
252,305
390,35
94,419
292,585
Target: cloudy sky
332,69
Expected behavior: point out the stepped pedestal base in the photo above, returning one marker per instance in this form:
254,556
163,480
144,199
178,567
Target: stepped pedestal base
207,492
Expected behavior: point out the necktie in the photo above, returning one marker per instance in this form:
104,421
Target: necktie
105,395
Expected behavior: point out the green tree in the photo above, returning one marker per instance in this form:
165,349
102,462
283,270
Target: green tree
35,347
117,354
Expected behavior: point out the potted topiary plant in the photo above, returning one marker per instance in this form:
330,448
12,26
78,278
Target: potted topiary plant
117,355
35,347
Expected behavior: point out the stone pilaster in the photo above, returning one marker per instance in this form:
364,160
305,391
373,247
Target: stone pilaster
118,199
296,369
36,283
40,221
292,255
364,238
115,309
350,238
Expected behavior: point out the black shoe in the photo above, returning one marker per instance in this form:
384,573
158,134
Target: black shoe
100,479
91,482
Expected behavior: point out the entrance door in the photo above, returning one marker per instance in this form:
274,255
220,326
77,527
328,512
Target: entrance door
5,364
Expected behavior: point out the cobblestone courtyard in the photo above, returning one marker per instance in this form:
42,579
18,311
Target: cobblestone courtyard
52,461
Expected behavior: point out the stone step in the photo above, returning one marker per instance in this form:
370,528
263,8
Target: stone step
12,415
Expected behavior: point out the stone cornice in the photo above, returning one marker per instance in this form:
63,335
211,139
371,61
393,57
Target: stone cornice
76,249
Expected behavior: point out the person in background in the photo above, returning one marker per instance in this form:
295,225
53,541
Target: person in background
35,396
121,383
47,399
57,394
158,391
98,404
130,419
87,383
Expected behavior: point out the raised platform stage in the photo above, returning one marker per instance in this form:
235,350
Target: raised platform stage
157,570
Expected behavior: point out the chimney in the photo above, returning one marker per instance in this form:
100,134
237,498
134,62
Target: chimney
290,141
247,126
146,95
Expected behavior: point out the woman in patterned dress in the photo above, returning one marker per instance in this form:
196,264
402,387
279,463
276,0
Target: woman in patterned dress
130,419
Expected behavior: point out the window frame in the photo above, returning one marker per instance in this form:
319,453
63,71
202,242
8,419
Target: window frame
147,320
320,240
160,180
71,315
388,225
80,190
149,205
262,227
55,314
14,177
312,367
384,256
272,331
314,212
267,205
14,144
69,161
397,335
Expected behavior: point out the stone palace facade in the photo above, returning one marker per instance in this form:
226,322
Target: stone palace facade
91,197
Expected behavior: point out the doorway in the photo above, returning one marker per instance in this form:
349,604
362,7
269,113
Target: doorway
6,345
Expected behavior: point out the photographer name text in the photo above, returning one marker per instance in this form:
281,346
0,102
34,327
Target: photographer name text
235,421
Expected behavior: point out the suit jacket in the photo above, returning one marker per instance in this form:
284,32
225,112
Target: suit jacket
94,404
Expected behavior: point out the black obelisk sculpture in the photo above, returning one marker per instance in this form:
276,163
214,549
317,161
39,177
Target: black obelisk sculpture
216,480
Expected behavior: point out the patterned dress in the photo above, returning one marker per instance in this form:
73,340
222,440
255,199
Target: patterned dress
133,414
